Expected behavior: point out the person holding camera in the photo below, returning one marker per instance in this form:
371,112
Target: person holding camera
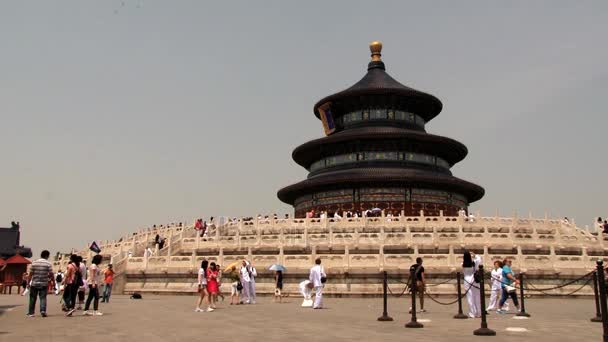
318,278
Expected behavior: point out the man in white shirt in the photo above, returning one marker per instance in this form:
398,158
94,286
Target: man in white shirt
245,280
316,275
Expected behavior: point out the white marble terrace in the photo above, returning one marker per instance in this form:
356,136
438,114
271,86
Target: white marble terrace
544,248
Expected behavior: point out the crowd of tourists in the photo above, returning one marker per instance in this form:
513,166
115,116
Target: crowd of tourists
243,286
80,281
503,284
77,282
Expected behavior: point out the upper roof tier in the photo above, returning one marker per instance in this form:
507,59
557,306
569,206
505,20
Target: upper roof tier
378,82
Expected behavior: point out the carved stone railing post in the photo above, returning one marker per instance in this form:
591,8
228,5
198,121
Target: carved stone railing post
451,256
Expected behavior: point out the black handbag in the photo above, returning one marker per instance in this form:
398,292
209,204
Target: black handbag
477,277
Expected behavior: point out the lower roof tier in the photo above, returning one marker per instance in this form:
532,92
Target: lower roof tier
380,138
359,177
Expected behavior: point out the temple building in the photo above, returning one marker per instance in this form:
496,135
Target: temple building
377,154
10,242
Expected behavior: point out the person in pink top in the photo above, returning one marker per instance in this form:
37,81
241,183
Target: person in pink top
212,285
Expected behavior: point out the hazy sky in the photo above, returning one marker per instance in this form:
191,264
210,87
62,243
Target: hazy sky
120,116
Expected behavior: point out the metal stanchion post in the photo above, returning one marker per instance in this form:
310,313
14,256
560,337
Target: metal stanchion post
413,323
603,305
459,315
483,331
385,317
596,295
522,312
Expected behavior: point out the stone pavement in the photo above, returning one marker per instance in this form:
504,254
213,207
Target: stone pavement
171,318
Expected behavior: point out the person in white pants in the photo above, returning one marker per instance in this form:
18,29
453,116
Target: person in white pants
306,291
252,274
316,273
246,283
471,288
496,285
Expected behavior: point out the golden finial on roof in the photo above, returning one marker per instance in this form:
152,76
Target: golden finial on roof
376,47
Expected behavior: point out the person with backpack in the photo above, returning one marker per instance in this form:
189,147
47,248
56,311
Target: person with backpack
93,284
72,281
420,282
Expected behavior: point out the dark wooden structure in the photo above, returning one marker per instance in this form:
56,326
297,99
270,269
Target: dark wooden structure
377,153
12,273
10,242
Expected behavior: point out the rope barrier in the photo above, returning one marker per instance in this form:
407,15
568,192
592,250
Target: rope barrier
529,287
447,303
533,288
543,293
441,283
398,279
399,295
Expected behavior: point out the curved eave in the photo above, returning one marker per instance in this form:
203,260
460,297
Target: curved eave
449,149
378,82
376,176
427,106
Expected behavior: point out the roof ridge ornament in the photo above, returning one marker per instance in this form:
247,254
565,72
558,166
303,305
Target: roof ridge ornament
376,49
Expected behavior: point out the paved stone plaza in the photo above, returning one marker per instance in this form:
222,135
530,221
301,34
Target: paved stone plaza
171,318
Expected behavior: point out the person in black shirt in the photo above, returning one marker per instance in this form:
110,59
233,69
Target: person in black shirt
420,281
278,297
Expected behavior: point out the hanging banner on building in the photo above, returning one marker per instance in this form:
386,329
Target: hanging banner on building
327,118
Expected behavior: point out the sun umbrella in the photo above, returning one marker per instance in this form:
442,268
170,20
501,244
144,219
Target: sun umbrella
232,265
376,210
277,267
